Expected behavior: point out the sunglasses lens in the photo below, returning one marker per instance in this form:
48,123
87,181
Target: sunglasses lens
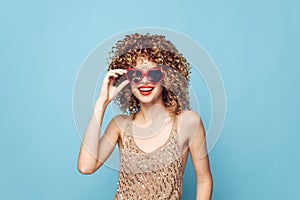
134,76
155,75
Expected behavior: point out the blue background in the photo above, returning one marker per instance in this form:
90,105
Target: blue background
255,45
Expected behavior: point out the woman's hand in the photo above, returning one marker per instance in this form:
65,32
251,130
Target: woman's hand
94,152
108,92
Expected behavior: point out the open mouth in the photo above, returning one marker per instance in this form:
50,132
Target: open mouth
145,90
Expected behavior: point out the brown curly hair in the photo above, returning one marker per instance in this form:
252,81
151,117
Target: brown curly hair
156,49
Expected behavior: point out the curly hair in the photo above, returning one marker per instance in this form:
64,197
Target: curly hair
156,49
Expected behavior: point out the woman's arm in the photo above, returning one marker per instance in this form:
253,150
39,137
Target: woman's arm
197,149
94,151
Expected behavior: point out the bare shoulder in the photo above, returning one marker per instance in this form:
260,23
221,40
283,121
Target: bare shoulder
190,118
120,122
190,124
114,130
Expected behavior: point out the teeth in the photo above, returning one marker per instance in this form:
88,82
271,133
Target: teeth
145,89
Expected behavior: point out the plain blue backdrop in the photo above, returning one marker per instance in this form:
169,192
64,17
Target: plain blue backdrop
255,45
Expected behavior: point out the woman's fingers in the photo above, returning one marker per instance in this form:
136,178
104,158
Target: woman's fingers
121,71
115,72
118,71
108,90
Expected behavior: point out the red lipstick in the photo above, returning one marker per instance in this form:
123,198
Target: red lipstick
145,90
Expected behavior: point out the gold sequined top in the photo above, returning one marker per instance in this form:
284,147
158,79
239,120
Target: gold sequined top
150,176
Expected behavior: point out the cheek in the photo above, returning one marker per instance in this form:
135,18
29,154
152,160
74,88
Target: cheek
134,89
159,89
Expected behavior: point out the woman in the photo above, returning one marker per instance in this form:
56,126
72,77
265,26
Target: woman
148,79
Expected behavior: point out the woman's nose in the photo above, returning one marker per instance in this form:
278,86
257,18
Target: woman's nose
144,80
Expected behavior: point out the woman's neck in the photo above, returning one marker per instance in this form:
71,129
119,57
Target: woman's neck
148,112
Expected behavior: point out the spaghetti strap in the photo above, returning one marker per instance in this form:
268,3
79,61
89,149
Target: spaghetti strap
126,133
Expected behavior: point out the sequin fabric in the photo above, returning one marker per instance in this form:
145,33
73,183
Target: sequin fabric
150,176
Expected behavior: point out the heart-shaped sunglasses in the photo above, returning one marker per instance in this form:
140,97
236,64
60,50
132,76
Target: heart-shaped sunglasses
154,75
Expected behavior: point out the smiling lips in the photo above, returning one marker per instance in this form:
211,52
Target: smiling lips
145,90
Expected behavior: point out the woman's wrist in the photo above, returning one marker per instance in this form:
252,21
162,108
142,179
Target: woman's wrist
102,103
99,109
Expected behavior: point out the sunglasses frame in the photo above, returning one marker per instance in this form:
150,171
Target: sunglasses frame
146,74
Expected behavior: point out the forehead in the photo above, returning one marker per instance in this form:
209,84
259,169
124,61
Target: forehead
144,64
